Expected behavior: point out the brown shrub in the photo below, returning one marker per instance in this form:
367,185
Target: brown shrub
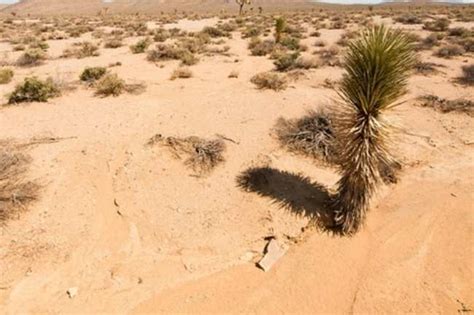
269,80
446,106
201,155
311,135
16,191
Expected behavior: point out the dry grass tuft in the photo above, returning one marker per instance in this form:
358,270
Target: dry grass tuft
201,155
181,73
446,106
270,80
311,135
31,58
427,68
110,84
16,192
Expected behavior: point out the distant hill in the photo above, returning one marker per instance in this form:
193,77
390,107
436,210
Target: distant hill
42,7
149,6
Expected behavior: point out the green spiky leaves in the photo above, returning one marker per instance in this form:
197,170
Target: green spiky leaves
376,67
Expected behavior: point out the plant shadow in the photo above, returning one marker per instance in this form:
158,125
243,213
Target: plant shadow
293,192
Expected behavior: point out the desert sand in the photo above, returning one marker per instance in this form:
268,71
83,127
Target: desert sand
136,231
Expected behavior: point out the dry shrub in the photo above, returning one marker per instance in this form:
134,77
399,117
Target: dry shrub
449,51
161,35
141,46
181,73
408,19
329,56
438,25
467,75
16,192
92,74
82,50
6,75
110,84
31,57
270,80
201,155
286,62
427,68
446,106
113,43
172,52
34,90
311,135
261,48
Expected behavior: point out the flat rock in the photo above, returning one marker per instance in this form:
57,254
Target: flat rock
273,253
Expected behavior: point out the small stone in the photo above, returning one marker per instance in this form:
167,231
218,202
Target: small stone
72,292
273,253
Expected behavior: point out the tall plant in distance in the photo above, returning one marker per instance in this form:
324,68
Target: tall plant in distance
241,4
279,28
376,67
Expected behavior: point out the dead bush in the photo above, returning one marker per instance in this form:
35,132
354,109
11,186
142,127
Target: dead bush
449,51
311,135
438,25
181,73
329,56
467,75
270,80
426,68
113,43
446,106
82,50
31,57
201,155
16,191
261,48
408,19
110,84
171,52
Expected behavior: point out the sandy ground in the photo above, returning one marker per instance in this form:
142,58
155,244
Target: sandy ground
135,232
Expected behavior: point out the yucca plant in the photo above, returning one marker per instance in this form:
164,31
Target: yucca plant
241,4
280,24
376,67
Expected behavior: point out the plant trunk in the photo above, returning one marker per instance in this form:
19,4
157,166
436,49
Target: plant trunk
362,153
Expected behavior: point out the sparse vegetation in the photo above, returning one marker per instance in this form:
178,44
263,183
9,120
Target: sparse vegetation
92,74
31,57
311,135
201,155
270,80
450,51
34,90
181,73
141,46
109,85
82,50
6,75
16,191
438,25
445,106
467,75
